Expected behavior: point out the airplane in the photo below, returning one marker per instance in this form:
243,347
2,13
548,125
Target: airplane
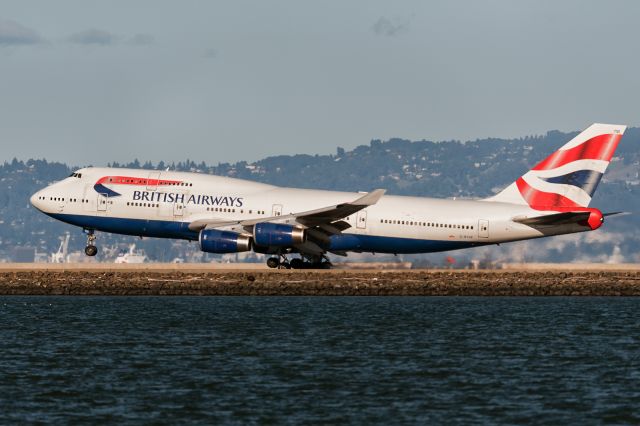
300,227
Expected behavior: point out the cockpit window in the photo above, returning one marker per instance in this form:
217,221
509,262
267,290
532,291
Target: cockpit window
76,175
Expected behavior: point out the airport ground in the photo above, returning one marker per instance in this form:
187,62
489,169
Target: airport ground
252,280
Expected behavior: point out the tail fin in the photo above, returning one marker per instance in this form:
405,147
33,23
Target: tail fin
568,177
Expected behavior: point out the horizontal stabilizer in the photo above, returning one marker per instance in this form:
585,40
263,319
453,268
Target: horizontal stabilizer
591,218
553,219
616,214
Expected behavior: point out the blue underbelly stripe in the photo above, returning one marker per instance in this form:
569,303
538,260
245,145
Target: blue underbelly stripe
180,230
125,226
380,244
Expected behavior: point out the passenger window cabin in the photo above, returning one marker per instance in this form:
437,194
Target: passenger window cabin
426,224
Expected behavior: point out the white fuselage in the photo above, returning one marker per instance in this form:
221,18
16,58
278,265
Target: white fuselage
163,204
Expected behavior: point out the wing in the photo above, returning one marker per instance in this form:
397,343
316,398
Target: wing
326,215
326,219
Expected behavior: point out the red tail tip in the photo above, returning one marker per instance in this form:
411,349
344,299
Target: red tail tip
596,219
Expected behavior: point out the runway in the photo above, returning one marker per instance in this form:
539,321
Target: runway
202,279
368,267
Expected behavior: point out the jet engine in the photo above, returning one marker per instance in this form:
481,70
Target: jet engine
215,241
277,234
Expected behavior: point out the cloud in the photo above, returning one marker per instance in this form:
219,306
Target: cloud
94,37
142,40
14,34
386,27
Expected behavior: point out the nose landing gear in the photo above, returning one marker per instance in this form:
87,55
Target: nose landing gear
91,249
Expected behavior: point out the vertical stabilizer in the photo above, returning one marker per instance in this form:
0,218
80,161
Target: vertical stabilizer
568,177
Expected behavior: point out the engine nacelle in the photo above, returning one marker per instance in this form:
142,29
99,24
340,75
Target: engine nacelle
215,241
277,234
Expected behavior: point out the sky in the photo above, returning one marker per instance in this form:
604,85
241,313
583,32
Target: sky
92,82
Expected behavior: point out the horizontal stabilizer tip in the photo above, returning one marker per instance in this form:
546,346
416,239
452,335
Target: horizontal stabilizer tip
616,214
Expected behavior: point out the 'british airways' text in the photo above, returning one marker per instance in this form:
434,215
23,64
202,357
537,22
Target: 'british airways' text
172,197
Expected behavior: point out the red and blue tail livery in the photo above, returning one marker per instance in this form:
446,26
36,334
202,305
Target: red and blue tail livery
567,178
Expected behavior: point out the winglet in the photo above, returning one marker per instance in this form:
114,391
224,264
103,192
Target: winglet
370,198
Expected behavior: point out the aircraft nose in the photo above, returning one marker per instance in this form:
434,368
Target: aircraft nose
35,200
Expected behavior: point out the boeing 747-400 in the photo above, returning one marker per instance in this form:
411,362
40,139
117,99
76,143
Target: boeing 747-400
227,215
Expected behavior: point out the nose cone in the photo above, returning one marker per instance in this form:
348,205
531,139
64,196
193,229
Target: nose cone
35,201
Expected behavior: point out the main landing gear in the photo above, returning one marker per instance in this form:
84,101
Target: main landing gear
91,249
311,262
274,262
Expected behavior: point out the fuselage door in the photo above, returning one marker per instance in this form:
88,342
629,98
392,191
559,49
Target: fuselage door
178,209
152,181
277,210
361,219
103,200
483,228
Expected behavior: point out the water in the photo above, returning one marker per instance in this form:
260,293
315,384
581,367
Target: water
319,360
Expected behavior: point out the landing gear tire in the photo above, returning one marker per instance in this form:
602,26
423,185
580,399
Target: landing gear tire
280,262
284,265
91,249
297,263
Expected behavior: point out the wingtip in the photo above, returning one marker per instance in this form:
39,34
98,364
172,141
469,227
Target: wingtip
377,194
370,198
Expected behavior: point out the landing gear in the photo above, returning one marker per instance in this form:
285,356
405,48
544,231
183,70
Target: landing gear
91,249
280,262
273,262
304,262
325,265
296,263
311,262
